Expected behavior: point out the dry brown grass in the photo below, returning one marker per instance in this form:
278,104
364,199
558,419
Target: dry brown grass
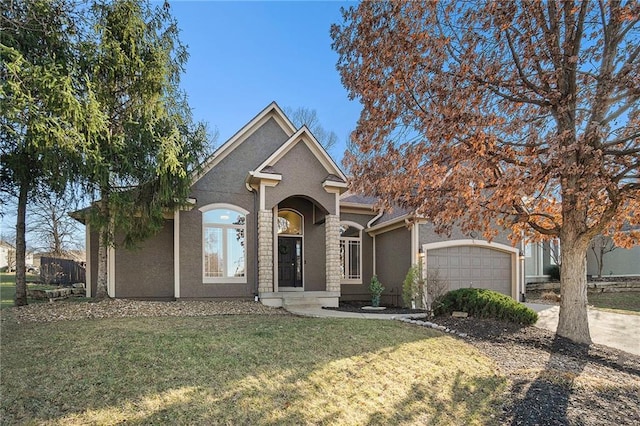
242,370
550,296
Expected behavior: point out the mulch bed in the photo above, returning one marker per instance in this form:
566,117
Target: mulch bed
553,381
357,307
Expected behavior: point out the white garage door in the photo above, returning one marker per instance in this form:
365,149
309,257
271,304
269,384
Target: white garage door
477,267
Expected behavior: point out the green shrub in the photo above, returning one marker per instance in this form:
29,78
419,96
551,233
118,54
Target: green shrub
483,303
553,271
376,289
410,286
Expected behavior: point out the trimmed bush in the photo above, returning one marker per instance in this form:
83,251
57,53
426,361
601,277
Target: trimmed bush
553,271
483,303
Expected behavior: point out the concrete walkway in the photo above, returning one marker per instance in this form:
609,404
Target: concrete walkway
317,312
620,331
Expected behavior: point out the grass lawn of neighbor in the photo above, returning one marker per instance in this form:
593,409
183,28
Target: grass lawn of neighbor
8,287
626,301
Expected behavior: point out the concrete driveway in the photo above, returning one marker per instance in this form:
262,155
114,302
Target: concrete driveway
620,331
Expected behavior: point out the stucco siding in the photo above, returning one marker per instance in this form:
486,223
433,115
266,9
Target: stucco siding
302,174
92,258
147,271
428,235
393,260
360,292
228,175
225,183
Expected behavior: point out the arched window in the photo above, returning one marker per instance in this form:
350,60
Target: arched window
289,223
223,243
351,252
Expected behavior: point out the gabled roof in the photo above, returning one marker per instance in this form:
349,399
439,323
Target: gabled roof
386,217
304,136
358,199
271,111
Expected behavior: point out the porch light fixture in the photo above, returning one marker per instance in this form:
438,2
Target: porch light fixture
521,255
420,252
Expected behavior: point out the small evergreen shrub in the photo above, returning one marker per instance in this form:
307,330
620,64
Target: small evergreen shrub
553,271
376,289
483,303
410,286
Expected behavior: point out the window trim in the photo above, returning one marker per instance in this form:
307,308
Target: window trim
345,263
223,226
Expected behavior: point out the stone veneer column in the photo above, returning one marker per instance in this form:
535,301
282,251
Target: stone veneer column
332,241
265,251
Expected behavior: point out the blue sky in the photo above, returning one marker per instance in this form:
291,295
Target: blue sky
244,55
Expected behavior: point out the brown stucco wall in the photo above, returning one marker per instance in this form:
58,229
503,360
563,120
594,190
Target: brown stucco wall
147,271
428,235
92,258
360,292
302,174
225,184
393,260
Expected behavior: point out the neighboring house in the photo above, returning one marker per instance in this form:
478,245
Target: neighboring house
620,262
617,262
7,255
271,219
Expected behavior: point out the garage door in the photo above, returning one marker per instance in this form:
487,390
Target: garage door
477,267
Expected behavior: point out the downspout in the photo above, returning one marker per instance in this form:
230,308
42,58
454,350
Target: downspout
375,218
374,239
255,227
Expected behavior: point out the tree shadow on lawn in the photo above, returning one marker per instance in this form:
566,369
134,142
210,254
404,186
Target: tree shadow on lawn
466,400
500,332
239,370
471,402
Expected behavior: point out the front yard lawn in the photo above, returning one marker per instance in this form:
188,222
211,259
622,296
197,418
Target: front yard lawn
242,370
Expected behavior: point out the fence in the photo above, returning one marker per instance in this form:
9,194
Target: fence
61,271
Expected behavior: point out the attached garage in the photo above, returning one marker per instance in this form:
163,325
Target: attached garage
474,263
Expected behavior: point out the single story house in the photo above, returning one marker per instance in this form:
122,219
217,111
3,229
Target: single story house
272,219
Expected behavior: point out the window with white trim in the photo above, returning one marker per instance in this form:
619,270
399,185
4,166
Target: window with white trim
223,244
351,253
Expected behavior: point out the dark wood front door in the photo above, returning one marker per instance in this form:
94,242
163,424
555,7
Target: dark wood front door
289,262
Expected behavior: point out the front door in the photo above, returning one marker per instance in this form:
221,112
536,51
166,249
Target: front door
290,262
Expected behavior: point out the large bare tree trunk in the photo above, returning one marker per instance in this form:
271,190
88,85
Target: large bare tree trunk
21,247
103,266
573,323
